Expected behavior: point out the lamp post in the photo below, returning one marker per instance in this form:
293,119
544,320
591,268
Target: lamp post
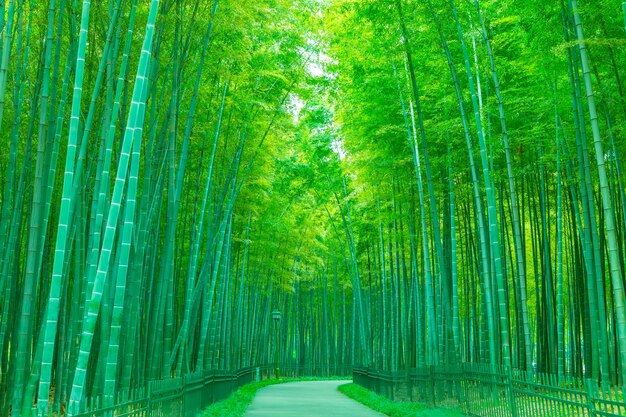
276,318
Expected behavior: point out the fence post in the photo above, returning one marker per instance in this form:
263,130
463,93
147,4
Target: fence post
183,395
431,374
589,389
508,375
466,387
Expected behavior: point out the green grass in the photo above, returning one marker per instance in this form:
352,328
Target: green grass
393,408
237,403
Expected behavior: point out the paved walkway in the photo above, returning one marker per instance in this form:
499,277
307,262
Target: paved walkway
306,399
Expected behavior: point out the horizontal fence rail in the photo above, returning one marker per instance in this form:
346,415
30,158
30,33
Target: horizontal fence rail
184,396
187,396
483,391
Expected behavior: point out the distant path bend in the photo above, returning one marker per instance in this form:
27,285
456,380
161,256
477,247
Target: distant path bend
306,399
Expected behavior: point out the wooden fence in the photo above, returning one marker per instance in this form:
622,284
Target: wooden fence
185,396
188,396
483,391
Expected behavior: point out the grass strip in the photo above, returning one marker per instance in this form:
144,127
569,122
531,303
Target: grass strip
394,408
237,402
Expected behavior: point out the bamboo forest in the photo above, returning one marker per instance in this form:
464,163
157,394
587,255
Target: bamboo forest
427,196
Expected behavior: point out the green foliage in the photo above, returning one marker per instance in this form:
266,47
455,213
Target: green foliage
393,408
237,403
321,160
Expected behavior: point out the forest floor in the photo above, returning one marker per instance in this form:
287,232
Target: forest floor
333,399
394,408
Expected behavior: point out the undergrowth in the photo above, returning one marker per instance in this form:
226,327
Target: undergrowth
394,408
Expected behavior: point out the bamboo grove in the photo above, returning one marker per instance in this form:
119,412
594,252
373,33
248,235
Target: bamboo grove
483,146
130,131
411,183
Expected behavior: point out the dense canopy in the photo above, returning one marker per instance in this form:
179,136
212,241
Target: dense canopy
411,183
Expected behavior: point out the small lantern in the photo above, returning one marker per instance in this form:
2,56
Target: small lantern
276,316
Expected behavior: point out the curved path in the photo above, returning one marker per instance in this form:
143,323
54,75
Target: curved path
306,399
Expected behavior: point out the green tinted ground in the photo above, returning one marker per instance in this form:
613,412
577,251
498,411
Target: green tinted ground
306,399
393,408
315,398
237,403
